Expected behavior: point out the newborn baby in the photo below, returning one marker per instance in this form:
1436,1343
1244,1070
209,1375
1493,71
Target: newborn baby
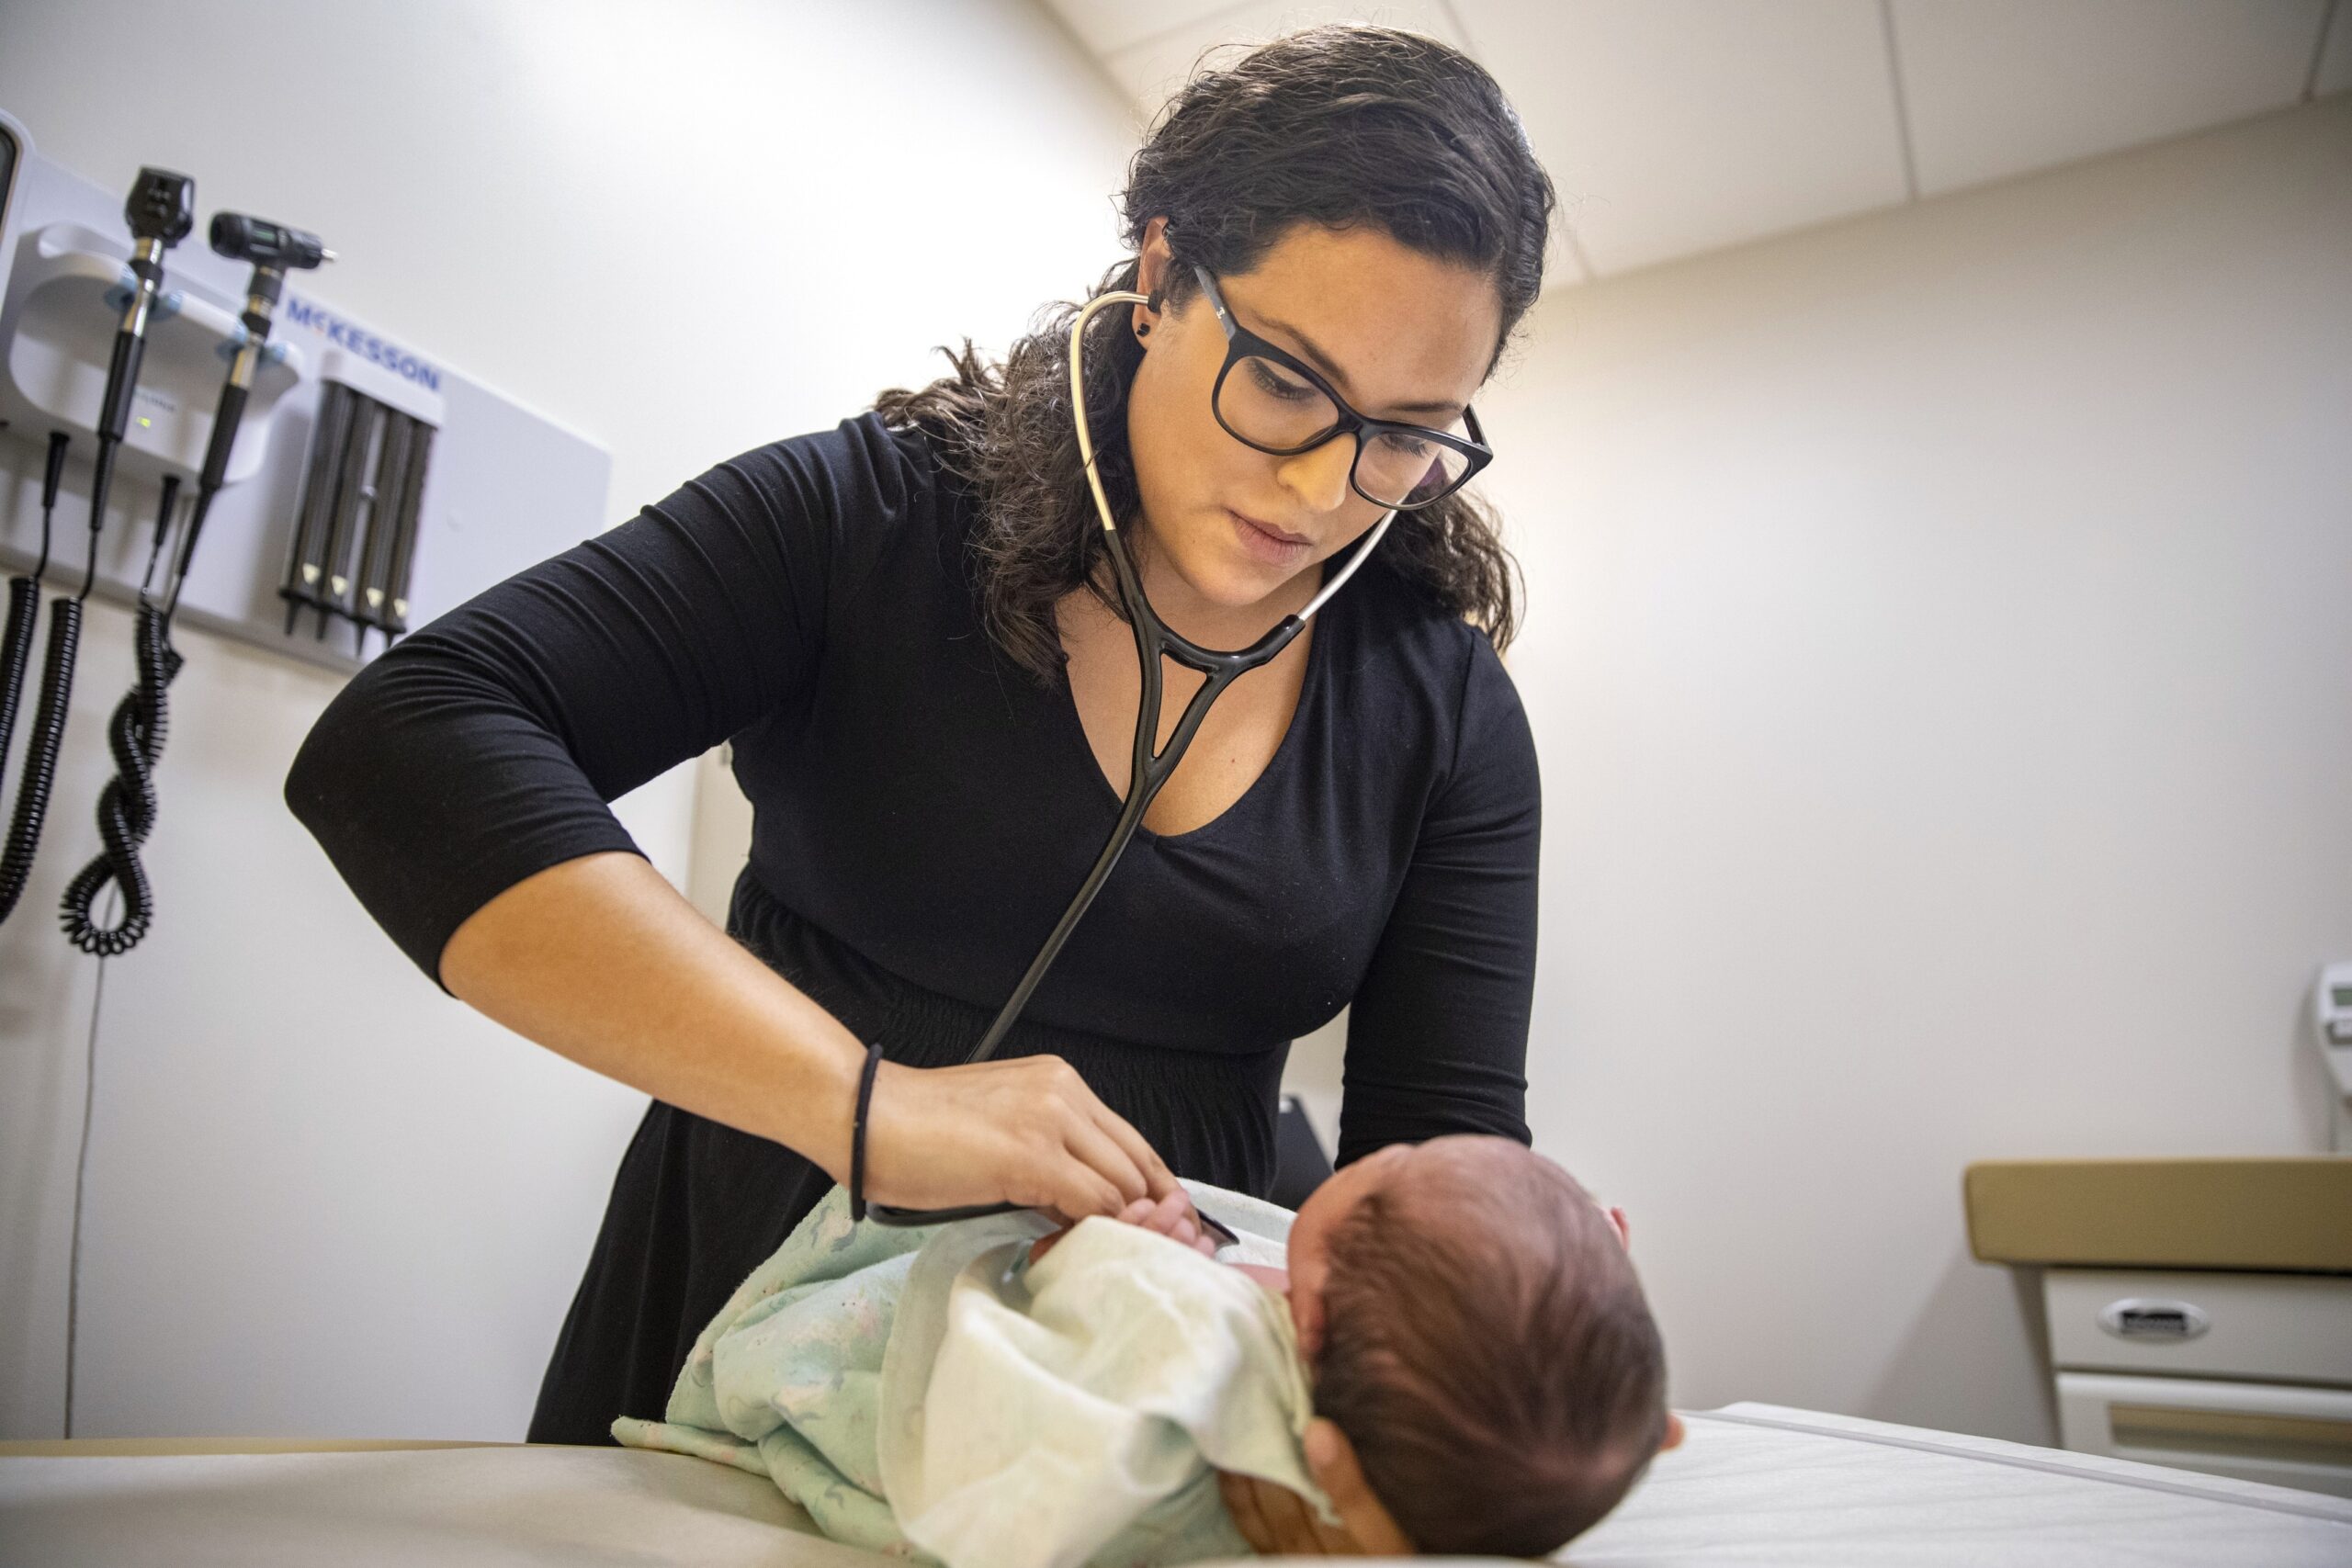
1459,1311
1475,1328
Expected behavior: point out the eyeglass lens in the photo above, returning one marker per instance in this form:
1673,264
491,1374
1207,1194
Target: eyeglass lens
1267,405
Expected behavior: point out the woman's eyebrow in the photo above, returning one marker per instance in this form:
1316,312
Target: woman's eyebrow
1339,377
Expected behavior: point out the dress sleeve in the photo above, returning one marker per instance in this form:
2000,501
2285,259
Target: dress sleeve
1437,1033
482,748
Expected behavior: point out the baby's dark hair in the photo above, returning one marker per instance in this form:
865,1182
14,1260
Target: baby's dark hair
1487,1350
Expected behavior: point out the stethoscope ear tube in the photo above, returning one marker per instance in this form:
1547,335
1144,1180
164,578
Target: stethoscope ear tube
1152,765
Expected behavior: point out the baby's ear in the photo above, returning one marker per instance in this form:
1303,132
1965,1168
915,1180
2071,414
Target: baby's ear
1625,1231
1306,1316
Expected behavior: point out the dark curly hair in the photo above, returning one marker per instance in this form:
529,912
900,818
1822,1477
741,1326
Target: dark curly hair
1337,126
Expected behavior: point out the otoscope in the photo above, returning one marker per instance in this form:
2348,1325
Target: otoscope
160,211
274,249
135,734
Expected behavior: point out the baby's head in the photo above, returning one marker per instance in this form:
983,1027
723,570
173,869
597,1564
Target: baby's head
1483,1342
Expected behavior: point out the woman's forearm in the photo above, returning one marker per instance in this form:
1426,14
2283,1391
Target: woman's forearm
600,960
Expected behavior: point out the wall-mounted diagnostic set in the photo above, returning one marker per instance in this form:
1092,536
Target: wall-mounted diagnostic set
336,477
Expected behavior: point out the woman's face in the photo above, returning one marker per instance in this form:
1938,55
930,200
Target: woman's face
1389,328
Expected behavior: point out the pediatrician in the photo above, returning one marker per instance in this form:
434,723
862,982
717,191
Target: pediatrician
907,627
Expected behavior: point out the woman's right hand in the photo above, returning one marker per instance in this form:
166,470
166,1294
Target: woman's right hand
1026,1130
603,961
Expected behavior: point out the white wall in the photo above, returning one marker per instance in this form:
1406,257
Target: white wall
324,1199
1938,653
1935,647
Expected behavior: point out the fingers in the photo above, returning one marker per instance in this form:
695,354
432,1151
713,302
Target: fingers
1241,1494
1071,1193
1172,1217
1141,1212
1277,1522
1158,1179
1332,1459
1089,1144
1029,1130
1295,1522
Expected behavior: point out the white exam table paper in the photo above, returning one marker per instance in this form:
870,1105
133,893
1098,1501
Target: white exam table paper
1756,1484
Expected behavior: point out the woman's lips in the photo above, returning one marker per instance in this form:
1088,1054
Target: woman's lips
1270,545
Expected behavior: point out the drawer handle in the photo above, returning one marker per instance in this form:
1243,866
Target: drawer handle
2146,1317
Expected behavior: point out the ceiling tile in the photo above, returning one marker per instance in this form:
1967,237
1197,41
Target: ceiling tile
1997,87
1106,26
1677,126
1155,68
2335,65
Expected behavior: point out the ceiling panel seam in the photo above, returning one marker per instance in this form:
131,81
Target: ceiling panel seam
1218,14
1902,101
1469,44
1576,248
1586,271
2319,52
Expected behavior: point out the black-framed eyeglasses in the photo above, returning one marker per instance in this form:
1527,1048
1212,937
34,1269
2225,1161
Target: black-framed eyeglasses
1266,399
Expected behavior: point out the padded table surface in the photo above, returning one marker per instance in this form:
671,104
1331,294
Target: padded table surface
1755,1484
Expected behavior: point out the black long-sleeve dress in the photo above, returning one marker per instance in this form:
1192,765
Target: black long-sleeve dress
923,810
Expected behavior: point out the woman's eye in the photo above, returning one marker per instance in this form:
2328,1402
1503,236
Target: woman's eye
1277,385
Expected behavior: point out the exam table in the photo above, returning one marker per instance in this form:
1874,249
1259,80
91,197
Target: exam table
1754,1483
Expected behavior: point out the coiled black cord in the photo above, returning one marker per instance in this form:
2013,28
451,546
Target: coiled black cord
126,806
24,603
48,737
17,651
41,751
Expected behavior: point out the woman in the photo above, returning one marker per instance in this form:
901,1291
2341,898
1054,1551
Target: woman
907,627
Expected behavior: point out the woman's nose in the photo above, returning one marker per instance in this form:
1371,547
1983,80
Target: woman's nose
1319,477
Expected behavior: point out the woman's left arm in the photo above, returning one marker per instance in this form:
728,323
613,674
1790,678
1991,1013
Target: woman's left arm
1437,1033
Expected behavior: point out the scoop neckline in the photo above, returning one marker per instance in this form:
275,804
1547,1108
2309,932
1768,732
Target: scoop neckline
1309,691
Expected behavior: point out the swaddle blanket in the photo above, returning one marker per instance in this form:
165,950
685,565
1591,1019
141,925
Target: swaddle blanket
929,1393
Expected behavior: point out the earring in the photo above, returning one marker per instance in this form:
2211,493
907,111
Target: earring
1143,332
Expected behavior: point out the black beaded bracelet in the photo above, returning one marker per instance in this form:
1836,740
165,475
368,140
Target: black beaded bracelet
857,1132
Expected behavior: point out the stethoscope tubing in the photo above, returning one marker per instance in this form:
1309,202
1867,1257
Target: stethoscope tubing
1152,765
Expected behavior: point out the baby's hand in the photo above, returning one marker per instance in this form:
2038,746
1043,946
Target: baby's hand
1172,1216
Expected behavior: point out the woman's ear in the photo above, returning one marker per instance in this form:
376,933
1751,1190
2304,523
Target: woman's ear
1152,270
1673,1432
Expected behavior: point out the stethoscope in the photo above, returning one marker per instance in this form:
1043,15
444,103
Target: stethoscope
1150,768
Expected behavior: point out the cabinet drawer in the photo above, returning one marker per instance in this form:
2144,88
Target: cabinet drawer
2280,1434
2289,1327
